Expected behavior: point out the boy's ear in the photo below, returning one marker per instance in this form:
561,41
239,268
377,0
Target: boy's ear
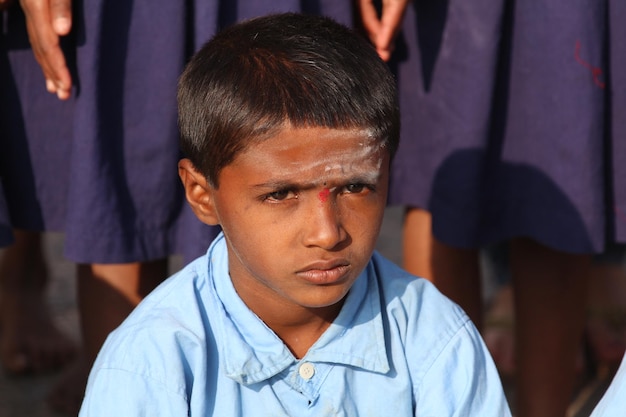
199,192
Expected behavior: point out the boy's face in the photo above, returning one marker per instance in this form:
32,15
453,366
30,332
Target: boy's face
301,212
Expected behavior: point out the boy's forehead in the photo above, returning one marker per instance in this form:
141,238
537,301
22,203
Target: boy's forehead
326,144
323,151
365,157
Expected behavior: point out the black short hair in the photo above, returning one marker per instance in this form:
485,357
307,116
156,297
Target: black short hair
290,69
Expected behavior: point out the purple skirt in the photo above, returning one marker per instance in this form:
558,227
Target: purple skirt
513,121
102,167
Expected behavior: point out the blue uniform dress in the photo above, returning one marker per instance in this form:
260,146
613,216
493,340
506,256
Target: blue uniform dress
192,347
102,167
513,121
613,403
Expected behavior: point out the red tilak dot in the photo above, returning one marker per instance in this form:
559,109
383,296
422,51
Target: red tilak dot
323,195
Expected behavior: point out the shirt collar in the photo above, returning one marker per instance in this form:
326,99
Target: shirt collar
251,352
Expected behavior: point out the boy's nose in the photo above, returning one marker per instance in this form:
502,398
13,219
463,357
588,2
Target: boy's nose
324,227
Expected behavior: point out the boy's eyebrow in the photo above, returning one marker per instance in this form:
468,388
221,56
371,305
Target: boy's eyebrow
367,178
284,185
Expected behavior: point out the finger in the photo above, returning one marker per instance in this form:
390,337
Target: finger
48,53
391,21
61,15
46,48
50,86
369,18
61,93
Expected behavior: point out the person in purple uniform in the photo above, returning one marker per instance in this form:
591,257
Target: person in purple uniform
100,160
512,132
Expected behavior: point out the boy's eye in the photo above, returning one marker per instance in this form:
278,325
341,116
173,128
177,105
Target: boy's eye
355,188
280,195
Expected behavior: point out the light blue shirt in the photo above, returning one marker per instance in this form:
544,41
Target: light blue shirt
192,347
613,403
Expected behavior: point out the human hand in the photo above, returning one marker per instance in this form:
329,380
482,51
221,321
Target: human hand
382,31
46,22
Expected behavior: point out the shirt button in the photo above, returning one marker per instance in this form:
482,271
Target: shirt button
307,370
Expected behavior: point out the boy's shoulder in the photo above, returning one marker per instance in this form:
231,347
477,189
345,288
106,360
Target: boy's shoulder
434,339
171,316
414,295
175,297
418,313
145,363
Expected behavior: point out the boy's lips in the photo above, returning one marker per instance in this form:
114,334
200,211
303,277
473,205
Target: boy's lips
325,272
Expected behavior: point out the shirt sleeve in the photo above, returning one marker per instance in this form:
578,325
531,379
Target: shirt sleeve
115,393
463,380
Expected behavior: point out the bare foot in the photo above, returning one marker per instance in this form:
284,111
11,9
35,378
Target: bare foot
67,394
30,340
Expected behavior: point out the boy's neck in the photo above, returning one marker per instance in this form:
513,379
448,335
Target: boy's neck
299,330
297,326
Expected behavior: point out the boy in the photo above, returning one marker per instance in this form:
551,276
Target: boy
289,123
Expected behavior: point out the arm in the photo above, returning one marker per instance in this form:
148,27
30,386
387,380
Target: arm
382,30
46,22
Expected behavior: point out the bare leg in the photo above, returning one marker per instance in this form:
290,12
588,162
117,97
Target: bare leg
455,271
30,339
417,243
106,295
550,298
